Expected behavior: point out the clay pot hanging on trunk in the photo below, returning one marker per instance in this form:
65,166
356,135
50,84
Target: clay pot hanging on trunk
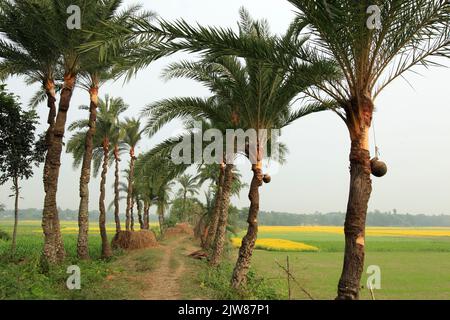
378,167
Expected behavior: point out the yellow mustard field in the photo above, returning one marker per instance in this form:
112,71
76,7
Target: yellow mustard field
277,245
371,231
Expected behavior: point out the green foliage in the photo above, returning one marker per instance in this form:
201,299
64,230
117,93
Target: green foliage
108,129
411,33
17,138
170,222
4,235
188,211
23,275
218,281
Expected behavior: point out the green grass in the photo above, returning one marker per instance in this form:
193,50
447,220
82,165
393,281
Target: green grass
411,267
23,276
327,242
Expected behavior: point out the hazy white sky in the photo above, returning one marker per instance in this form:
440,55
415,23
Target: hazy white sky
412,126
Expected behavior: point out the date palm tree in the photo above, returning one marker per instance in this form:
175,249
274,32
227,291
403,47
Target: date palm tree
28,50
66,42
107,130
93,74
189,186
144,188
256,96
132,135
370,57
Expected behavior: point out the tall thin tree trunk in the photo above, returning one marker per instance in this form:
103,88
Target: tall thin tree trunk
116,188
106,248
85,177
161,220
221,233
248,242
49,251
16,213
132,215
146,215
130,190
53,245
355,219
212,227
183,212
139,208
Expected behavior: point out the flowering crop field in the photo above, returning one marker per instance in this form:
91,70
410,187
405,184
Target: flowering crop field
277,245
370,231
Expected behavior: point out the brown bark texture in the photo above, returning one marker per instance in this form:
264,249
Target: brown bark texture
85,177
212,227
240,271
129,218
146,215
219,242
359,195
106,248
53,245
116,189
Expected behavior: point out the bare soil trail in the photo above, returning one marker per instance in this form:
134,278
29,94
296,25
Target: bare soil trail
164,282
164,272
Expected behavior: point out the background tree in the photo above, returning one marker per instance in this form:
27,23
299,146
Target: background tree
19,149
249,94
93,74
107,129
189,187
132,135
29,50
410,33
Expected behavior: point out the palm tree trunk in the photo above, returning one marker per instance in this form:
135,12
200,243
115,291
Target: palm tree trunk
53,245
355,219
16,213
49,251
212,228
132,215
248,242
130,189
116,188
106,248
146,215
139,208
183,212
161,220
85,177
219,242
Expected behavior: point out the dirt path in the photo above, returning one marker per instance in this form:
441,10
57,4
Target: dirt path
165,272
163,283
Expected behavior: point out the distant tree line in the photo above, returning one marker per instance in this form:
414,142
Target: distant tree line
272,218
65,214
375,218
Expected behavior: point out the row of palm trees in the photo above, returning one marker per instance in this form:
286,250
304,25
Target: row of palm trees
327,56
334,33
111,138
35,47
